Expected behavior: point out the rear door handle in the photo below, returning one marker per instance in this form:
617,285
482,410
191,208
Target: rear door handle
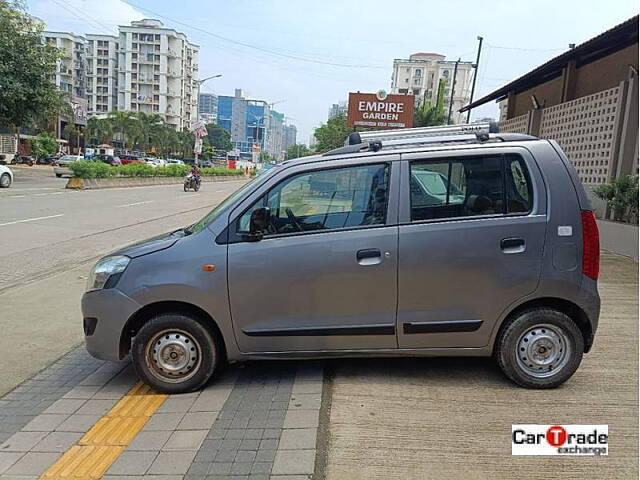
369,256
513,245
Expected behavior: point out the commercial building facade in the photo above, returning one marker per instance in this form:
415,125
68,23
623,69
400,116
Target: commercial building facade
421,73
208,108
252,124
586,99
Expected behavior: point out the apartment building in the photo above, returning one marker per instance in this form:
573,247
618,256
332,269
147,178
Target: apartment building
337,109
208,108
102,73
71,69
157,72
420,75
275,134
290,136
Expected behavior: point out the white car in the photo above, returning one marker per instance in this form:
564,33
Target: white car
62,167
174,161
6,176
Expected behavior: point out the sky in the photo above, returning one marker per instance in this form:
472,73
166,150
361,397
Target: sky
307,55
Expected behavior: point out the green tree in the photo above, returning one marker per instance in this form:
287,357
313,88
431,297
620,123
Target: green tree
27,65
219,138
297,151
44,145
73,133
621,195
150,126
126,125
429,114
98,130
333,134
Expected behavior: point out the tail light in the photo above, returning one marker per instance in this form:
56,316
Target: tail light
590,245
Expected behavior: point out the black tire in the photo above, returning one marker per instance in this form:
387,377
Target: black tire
59,175
196,187
510,347
5,180
206,344
186,187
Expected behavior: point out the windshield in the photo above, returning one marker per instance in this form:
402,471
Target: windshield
69,157
222,206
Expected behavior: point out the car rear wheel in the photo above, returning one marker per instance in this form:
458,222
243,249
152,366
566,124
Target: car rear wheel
5,180
175,353
59,175
540,348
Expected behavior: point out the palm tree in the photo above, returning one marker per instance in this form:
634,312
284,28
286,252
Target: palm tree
99,130
150,125
427,115
126,125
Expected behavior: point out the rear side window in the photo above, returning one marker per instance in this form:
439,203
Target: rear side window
450,188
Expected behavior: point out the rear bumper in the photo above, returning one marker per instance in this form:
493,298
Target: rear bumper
590,304
61,170
106,313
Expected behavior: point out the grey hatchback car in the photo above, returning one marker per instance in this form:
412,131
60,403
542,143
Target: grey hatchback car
457,241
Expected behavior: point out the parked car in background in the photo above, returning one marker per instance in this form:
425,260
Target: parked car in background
126,159
206,163
155,162
478,244
50,160
109,159
174,161
6,176
62,165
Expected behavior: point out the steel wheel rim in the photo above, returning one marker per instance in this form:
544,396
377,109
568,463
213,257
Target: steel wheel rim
173,356
543,350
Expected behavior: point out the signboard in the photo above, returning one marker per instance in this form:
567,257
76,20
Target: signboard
379,110
79,106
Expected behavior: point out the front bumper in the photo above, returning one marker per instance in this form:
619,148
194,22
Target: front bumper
111,309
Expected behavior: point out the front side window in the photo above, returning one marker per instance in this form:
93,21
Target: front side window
490,185
325,199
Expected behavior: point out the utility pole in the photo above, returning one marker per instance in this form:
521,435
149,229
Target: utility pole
453,88
199,84
475,76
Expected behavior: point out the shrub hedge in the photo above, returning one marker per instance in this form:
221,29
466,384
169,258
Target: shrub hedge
92,169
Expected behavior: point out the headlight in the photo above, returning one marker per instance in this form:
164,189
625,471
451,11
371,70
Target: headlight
106,269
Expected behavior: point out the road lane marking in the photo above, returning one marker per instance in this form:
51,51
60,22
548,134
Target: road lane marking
31,219
101,446
132,204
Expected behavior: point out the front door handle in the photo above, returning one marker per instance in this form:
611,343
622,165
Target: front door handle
513,245
369,256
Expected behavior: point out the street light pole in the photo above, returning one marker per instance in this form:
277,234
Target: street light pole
199,84
453,88
475,76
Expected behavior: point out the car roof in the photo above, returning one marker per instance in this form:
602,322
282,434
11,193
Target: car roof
412,148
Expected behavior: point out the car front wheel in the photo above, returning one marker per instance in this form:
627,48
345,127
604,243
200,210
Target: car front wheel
175,353
5,180
540,348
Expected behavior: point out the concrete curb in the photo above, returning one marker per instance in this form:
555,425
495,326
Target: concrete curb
99,183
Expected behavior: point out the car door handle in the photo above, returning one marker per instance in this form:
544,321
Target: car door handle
369,256
513,245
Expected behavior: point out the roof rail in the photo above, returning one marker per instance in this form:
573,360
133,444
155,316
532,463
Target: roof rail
410,134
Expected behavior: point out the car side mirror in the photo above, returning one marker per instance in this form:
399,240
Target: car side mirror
259,223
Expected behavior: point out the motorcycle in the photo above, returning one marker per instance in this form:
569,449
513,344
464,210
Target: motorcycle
191,181
23,160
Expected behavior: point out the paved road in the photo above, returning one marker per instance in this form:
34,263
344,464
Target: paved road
49,238
450,418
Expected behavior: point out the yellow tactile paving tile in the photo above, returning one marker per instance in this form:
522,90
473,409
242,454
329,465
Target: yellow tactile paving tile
83,462
113,431
104,442
137,405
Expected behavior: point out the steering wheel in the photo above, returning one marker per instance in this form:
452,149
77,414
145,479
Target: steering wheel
292,218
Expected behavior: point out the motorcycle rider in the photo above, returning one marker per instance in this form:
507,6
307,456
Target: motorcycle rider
195,172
